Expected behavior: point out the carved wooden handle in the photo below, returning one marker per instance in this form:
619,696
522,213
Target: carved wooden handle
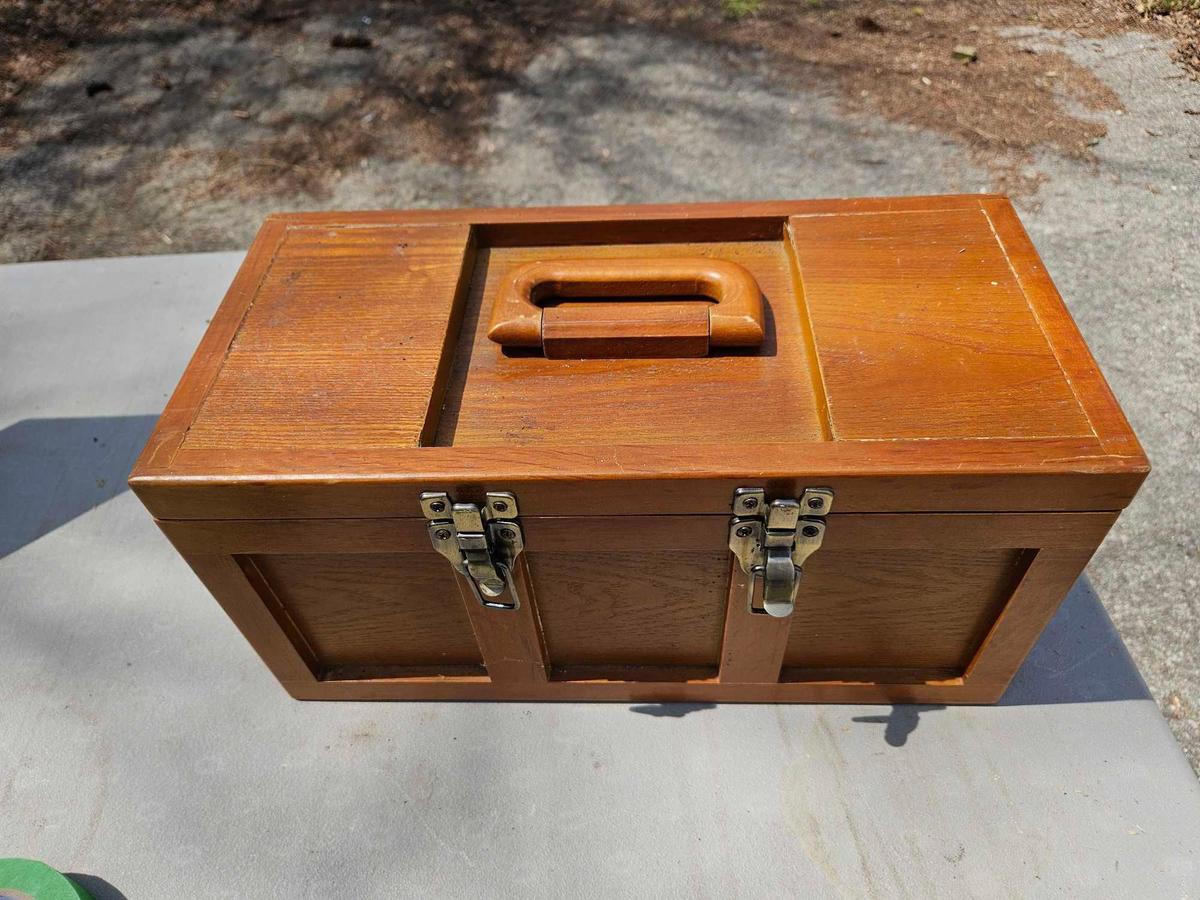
735,319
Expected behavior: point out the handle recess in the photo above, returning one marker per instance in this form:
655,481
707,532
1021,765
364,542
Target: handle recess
735,318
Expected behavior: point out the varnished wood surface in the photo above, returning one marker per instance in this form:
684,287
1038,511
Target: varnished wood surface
205,365
625,691
640,607
753,645
496,399
736,319
568,534
249,605
923,331
917,360
360,419
510,641
1034,601
340,355
889,599
1078,365
924,609
373,608
915,476
632,330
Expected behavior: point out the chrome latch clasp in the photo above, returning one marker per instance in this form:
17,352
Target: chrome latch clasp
773,541
481,542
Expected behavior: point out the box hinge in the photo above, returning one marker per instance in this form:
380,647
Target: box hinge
481,542
772,541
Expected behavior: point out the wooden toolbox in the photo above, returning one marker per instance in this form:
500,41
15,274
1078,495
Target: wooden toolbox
844,450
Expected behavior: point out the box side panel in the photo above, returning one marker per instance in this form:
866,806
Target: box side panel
632,607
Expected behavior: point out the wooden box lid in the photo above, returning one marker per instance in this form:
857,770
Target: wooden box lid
911,353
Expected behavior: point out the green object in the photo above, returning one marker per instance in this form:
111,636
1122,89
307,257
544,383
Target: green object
739,9
28,879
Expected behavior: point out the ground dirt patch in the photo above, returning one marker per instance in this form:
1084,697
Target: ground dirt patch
209,103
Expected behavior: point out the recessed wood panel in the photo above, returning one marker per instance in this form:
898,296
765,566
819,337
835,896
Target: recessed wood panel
373,609
923,330
907,609
499,398
632,608
342,345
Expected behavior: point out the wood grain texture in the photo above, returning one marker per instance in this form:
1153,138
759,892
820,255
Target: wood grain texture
923,331
754,644
632,330
634,223
925,609
735,318
875,476
373,608
342,345
1070,350
574,534
249,607
890,600
1034,601
510,641
497,399
618,690
206,362
917,360
941,337
648,607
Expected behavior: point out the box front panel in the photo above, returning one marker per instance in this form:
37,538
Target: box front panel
891,607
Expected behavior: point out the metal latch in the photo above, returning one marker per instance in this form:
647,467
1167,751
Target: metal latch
772,542
482,543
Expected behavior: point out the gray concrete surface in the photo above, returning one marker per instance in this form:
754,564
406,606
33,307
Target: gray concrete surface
633,115
145,748
1122,240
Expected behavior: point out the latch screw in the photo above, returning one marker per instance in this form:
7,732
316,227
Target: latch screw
810,530
500,506
443,534
815,503
507,533
744,531
438,506
750,503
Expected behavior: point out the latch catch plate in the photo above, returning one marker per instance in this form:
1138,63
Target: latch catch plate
773,540
482,543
